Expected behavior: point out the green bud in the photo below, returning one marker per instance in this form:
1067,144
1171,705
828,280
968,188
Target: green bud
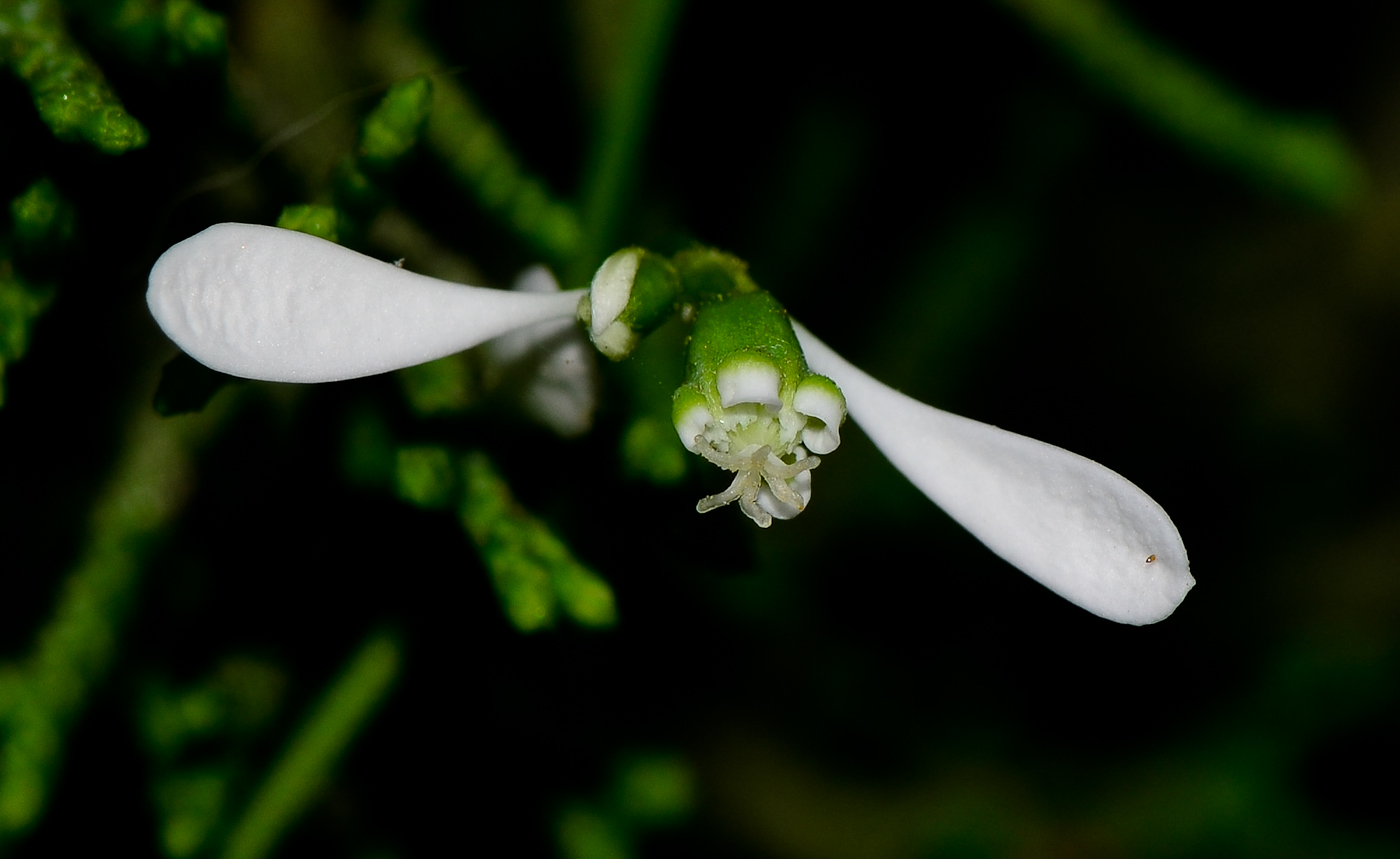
633,293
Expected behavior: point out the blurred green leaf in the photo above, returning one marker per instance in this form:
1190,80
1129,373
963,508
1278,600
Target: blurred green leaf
1303,156
534,572
68,88
187,386
319,221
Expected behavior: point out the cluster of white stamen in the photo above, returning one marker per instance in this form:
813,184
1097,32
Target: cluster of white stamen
763,484
760,438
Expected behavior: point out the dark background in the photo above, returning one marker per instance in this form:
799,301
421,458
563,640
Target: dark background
946,200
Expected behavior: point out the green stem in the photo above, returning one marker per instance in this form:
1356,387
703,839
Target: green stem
1303,156
611,169
475,152
305,768
43,695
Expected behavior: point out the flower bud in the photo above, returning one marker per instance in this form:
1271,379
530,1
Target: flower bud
632,294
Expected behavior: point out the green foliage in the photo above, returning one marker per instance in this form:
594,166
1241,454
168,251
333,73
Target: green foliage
478,156
654,790
320,221
189,806
474,149
20,305
584,834
535,574
192,30
391,130
187,386
68,88
305,767
43,224
611,173
425,476
445,386
43,219
649,791
176,30
650,449
176,590
194,788
42,695
1302,156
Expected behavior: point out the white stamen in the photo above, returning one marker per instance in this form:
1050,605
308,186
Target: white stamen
758,471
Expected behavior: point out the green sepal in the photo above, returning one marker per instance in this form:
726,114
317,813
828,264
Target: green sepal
654,293
753,324
708,275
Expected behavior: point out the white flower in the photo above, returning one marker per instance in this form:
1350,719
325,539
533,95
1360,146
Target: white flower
271,304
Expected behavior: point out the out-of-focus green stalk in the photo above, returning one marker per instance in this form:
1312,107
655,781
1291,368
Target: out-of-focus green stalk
611,169
67,86
1303,156
305,767
44,694
534,570
471,146
143,28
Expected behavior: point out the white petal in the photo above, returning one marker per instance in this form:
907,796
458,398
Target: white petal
559,366
815,398
692,423
1071,524
747,379
282,306
612,288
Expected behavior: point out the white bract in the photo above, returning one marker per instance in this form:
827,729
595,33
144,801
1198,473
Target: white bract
271,304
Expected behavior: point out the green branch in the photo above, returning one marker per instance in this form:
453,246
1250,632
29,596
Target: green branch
1303,156
67,86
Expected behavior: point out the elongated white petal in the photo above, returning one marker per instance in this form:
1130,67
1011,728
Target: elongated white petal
559,366
265,303
1074,526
